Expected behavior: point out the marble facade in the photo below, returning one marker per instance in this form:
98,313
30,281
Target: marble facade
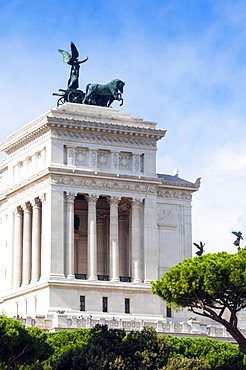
86,223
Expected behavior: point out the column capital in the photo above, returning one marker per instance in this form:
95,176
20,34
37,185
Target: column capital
136,202
18,211
70,196
27,207
36,202
43,197
113,200
91,198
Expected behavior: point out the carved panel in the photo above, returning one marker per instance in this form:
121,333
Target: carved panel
71,156
103,159
81,157
166,217
125,161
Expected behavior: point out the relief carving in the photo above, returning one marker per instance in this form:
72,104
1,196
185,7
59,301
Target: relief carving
115,160
81,157
104,185
103,159
106,138
174,194
166,217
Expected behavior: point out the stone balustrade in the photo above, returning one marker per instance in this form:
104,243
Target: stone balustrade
189,328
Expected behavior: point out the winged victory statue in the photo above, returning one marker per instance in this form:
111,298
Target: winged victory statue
96,94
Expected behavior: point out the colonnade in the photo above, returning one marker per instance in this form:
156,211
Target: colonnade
114,252
28,239
27,242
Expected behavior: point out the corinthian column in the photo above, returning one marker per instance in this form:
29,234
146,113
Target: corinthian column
92,236
136,251
27,243
114,238
69,247
36,239
18,247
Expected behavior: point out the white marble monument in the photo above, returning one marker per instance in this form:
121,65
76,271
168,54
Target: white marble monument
86,223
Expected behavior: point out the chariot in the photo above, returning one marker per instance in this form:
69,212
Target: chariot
70,95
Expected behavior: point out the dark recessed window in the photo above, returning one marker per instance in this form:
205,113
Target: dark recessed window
82,303
169,312
127,305
105,304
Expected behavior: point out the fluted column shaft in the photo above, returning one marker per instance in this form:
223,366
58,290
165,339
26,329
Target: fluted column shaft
114,238
123,248
92,236
101,245
69,250
18,250
136,242
36,239
27,243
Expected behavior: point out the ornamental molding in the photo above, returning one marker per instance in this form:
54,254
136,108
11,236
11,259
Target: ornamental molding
174,194
105,138
103,185
96,124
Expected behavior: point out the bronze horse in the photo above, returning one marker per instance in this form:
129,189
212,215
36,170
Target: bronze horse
104,95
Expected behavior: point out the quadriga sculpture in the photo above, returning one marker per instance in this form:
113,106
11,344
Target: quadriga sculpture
104,95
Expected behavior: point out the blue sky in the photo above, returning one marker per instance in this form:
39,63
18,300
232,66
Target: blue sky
184,64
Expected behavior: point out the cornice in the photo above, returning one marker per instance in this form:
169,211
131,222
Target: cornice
103,175
114,128
33,184
192,187
82,129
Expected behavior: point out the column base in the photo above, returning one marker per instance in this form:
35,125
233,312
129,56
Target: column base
70,277
92,278
115,279
26,283
147,281
137,281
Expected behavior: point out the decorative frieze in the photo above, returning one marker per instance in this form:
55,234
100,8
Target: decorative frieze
174,194
106,139
103,185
